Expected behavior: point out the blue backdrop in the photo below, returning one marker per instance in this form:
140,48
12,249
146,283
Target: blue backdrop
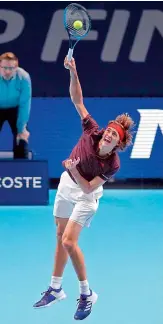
124,49
55,128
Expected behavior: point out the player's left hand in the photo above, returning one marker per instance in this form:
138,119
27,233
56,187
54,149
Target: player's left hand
71,164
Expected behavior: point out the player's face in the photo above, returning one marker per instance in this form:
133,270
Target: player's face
8,68
109,139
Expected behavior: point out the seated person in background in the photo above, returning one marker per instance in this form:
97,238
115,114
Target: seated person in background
15,102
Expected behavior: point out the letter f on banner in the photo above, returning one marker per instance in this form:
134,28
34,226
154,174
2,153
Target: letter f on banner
150,119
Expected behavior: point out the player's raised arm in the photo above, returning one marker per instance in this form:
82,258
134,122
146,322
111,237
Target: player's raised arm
75,88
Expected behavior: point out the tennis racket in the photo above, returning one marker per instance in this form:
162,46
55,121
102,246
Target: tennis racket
77,23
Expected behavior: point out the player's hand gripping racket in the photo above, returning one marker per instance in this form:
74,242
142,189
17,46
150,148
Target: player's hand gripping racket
77,22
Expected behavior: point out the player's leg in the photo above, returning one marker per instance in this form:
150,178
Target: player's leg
62,211
81,216
61,255
70,244
55,292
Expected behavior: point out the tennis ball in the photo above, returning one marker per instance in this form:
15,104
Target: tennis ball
77,24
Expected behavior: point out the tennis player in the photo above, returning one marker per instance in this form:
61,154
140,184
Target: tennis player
92,162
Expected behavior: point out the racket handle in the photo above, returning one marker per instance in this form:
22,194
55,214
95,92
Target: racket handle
70,54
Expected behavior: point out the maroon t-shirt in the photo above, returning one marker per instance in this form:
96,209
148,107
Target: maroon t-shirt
91,165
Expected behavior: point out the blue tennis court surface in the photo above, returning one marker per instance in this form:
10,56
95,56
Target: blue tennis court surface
123,251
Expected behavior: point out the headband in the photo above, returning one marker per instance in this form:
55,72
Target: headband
118,128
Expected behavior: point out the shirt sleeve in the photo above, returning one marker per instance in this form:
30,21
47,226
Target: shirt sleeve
89,124
24,103
109,174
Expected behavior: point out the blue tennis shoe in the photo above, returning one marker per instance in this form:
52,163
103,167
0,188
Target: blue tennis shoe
50,297
85,303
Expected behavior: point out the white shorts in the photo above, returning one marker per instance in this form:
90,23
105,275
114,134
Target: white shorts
71,202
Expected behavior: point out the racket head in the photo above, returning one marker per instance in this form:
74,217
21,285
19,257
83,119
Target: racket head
74,12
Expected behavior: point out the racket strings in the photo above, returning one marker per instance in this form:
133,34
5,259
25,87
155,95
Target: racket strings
75,32
74,13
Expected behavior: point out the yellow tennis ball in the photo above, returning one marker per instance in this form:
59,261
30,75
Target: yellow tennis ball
77,24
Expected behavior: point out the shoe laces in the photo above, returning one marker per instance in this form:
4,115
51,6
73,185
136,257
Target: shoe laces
82,303
47,292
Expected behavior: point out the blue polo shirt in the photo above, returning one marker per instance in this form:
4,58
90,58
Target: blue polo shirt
17,92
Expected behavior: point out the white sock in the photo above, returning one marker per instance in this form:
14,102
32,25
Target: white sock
84,287
56,282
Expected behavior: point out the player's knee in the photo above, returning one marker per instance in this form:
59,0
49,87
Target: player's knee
61,225
68,244
60,232
59,236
